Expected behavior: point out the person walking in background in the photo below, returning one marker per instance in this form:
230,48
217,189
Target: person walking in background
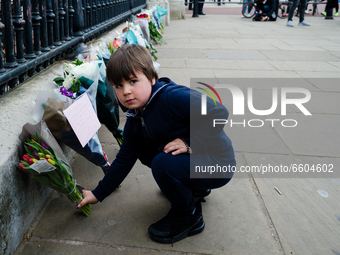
328,8
301,12
200,7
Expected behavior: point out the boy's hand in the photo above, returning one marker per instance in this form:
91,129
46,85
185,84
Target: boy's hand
177,146
89,198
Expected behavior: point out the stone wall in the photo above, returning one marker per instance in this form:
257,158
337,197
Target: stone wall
21,198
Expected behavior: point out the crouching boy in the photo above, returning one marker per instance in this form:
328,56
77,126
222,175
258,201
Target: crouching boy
158,132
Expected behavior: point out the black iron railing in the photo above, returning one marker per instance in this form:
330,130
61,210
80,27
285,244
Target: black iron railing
36,33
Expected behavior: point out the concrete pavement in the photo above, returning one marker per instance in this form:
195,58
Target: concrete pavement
247,216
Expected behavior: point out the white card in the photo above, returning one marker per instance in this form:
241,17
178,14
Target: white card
83,119
42,166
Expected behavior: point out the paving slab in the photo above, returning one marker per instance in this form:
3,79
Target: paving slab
37,246
299,56
322,139
268,83
300,204
310,66
174,45
329,84
179,53
182,75
310,42
222,73
235,54
172,62
229,64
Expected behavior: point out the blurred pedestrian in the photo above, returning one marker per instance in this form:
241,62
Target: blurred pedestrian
301,13
329,9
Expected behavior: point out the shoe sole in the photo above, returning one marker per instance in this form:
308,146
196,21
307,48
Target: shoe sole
194,230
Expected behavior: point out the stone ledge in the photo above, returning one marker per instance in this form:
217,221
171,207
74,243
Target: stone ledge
21,198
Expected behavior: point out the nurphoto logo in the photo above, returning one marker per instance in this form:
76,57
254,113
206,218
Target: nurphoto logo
238,99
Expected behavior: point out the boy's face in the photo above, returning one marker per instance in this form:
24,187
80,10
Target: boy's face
135,93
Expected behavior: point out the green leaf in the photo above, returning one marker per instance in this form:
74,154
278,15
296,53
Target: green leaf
77,62
59,81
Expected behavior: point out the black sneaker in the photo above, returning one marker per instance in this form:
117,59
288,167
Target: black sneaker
200,193
176,226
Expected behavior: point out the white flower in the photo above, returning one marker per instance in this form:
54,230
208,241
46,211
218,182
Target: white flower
88,70
67,69
68,82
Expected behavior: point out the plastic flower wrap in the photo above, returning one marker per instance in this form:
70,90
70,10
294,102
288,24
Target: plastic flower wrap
43,160
155,35
140,35
88,76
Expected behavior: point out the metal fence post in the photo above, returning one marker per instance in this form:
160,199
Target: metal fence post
71,17
99,12
195,11
66,21
104,10
9,44
94,13
44,37
56,31
112,10
61,13
18,24
88,14
28,30
36,26
86,27
50,20
2,69
78,18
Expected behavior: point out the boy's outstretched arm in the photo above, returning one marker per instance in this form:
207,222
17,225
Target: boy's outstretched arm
89,198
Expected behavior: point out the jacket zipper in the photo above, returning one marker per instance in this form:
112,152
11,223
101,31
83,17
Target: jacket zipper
146,129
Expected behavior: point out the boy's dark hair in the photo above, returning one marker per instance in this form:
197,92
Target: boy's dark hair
127,60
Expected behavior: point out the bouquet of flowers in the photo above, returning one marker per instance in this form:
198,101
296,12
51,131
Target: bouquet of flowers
115,44
42,159
79,76
155,35
135,35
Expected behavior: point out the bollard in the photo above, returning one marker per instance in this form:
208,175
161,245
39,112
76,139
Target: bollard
195,12
218,2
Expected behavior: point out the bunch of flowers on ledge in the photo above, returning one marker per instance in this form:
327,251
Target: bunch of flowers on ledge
48,165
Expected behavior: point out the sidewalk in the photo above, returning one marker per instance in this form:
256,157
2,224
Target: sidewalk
247,216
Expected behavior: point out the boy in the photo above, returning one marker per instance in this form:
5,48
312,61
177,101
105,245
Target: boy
157,132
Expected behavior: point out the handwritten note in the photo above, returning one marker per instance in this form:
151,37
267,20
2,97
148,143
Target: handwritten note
82,119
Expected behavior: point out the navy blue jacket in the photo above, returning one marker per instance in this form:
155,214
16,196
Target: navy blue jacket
173,111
